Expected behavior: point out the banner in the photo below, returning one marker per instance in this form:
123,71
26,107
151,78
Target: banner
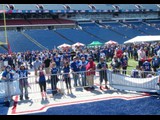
9,88
123,82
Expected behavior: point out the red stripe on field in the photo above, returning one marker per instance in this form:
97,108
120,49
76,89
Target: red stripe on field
15,105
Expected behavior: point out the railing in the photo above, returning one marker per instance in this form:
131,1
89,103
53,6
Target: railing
116,80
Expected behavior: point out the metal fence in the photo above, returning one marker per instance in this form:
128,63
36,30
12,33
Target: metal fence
116,80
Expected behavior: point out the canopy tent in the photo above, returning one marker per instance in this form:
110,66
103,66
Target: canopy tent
95,43
64,46
141,39
111,42
78,44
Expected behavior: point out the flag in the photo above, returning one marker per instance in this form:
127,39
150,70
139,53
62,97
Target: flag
9,49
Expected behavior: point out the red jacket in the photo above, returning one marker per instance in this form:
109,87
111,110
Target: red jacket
90,67
119,53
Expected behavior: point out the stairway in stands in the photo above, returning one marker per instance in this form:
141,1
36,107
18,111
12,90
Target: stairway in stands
63,36
34,41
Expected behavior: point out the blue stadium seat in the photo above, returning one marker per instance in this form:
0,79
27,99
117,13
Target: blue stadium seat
105,34
77,35
47,38
18,42
123,29
149,30
155,22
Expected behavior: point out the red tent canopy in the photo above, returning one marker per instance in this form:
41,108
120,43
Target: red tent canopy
64,46
78,44
111,42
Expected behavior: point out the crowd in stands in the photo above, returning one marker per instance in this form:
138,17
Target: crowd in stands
80,62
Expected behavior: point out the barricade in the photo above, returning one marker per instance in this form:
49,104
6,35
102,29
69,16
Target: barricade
144,82
9,88
116,80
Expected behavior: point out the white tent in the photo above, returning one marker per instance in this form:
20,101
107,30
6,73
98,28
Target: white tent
141,39
78,44
64,46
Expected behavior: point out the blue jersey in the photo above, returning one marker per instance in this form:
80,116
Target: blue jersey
57,60
65,71
23,73
155,62
124,61
83,68
78,63
8,75
42,77
74,66
54,70
146,66
135,73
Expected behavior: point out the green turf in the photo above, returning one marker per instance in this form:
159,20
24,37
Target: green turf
131,65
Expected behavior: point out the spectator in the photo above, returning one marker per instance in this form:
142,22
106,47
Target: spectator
42,83
36,66
66,77
46,63
155,62
119,53
102,54
135,73
90,68
54,78
7,76
23,81
75,70
129,49
124,62
158,53
135,54
116,65
146,68
141,56
57,60
83,70
102,68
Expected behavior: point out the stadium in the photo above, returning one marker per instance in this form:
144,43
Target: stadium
31,31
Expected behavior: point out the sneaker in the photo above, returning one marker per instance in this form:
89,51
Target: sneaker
101,88
21,98
106,87
26,98
86,88
92,88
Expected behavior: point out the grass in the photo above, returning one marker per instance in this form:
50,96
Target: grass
131,65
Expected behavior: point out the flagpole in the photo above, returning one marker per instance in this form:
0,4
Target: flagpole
5,30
